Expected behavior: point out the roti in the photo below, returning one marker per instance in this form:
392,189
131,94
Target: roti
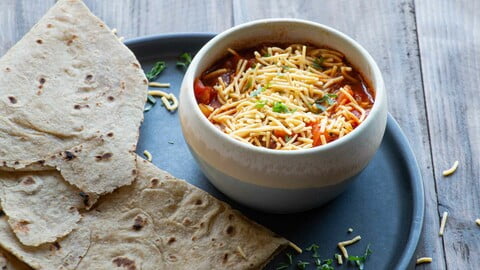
71,99
159,222
41,206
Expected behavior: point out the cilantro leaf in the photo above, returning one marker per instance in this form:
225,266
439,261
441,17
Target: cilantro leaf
360,260
185,60
257,91
318,62
156,70
302,265
279,107
289,257
320,107
248,85
282,266
329,98
314,248
260,104
327,265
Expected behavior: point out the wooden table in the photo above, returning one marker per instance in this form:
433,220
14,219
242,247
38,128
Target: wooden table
428,51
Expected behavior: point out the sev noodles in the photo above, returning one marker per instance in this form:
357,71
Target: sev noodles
289,98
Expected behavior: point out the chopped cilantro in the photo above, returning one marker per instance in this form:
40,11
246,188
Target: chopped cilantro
318,62
279,107
289,257
320,107
260,104
156,70
314,248
185,60
248,84
266,55
302,265
257,91
328,98
360,260
151,99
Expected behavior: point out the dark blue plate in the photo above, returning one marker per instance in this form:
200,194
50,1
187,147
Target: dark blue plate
385,205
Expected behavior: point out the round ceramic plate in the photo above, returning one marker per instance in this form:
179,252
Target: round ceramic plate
385,205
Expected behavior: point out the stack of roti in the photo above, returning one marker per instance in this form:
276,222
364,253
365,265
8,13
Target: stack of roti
73,193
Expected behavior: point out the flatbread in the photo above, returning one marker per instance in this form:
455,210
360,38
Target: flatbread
41,206
72,98
9,262
159,222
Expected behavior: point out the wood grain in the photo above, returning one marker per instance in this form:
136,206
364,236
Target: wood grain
450,48
388,32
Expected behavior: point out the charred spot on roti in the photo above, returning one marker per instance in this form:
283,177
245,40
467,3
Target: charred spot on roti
125,263
76,107
56,245
139,223
39,41
21,226
122,85
172,258
12,99
85,197
187,221
110,134
71,39
42,80
194,238
198,202
7,69
69,155
89,77
171,240
145,81
134,172
230,230
111,98
155,182
103,157
16,163
230,217
49,25
2,213
136,65
225,258
27,181
41,162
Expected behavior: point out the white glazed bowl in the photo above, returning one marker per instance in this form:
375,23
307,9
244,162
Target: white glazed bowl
278,180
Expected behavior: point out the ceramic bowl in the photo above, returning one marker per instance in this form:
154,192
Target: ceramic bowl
281,181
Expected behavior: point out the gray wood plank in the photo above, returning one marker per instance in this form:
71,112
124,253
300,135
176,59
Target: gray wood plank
135,18
449,40
17,17
387,30
132,18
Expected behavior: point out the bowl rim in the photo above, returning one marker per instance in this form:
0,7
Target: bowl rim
380,94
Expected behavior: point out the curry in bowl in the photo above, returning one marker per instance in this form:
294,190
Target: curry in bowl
284,97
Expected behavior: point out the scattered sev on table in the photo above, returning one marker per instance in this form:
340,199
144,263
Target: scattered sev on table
343,244
147,155
295,247
424,260
339,258
166,98
452,169
442,223
159,85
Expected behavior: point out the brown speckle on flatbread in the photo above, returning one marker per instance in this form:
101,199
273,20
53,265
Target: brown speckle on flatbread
69,155
39,41
7,69
145,81
225,258
198,202
12,99
27,181
89,77
76,107
56,245
49,25
85,197
134,172
103,157
172,258
171,240
110,98
71,39
2,213
230,217
21,226
230,230
110,134
125,263
136,65
154,182
139,223
187,221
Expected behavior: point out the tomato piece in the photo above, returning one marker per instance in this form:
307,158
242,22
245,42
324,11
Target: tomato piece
203,94
280,133
316,134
